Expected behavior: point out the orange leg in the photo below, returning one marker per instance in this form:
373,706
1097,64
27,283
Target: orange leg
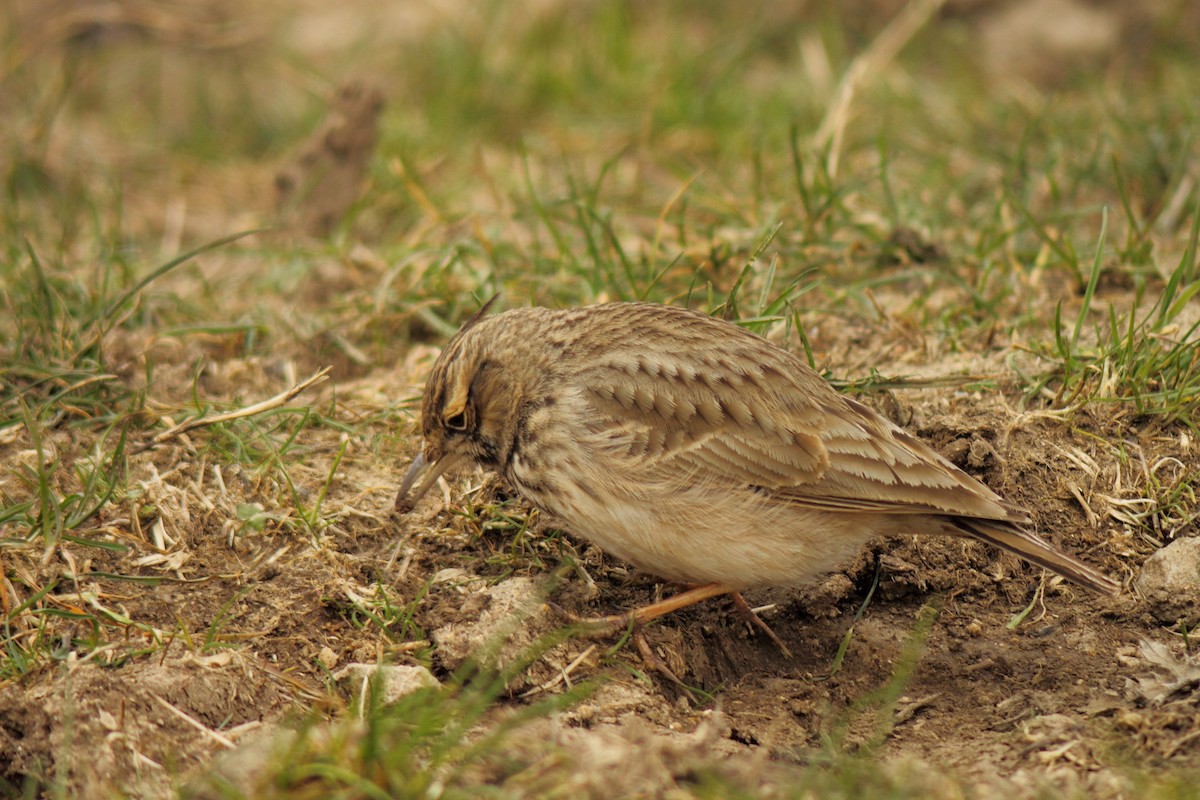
601,627
606,626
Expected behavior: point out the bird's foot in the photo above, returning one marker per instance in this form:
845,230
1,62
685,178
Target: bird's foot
756,621
607,626
601,627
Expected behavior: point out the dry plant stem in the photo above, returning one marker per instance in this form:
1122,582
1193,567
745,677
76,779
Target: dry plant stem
224,741
881,51
564,674
247,411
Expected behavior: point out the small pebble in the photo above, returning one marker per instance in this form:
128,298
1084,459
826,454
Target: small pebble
327,657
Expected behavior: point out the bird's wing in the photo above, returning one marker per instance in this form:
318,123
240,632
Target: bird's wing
767,420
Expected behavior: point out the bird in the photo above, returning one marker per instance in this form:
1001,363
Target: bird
695,450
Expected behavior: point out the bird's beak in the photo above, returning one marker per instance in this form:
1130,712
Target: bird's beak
421,475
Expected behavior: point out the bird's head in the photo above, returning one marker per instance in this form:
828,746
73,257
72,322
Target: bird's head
470,407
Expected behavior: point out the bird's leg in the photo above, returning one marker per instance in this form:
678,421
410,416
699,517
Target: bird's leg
754,619
603,627
600,627
675,602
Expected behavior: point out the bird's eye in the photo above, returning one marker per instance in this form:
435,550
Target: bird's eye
458,422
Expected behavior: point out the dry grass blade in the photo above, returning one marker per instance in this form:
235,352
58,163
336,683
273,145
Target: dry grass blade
247,411
882,50
224,741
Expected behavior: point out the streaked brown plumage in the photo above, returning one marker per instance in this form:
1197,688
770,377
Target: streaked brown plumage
694,449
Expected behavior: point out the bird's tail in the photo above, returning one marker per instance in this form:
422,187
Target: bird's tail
1033,548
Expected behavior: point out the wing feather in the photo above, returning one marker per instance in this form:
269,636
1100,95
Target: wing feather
758,416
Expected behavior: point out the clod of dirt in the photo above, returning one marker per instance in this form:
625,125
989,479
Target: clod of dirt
1170,580
324,179
392,681
635,758
327,657
501,625
97,727
1043,40
611,700
908,246
244,768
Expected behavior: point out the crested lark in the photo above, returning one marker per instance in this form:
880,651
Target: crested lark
695,450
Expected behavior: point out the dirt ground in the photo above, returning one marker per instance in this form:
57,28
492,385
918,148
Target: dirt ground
1064,699
224,618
